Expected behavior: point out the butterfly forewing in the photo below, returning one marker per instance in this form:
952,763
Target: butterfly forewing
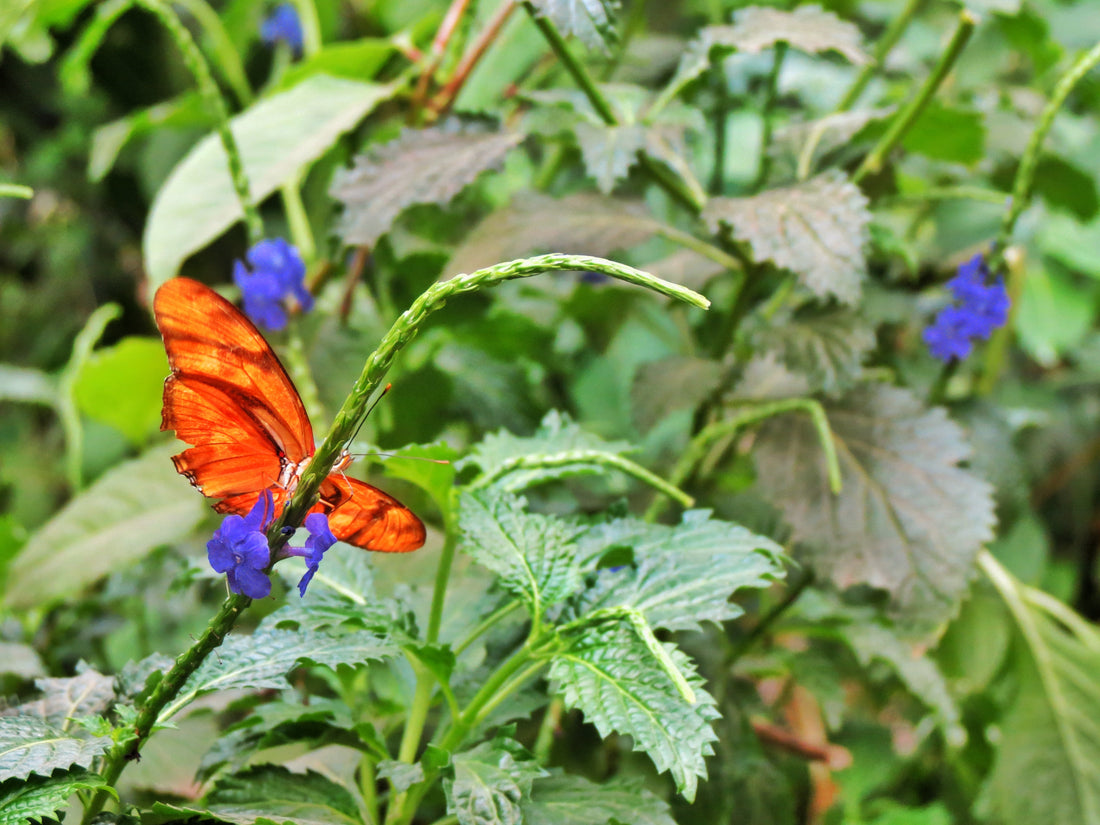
231,400
212,346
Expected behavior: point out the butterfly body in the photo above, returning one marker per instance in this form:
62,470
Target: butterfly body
230,398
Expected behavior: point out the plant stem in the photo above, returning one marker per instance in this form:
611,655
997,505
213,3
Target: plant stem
770,93
572,65
311,26
996,352
729,426
196,64
1025,174
905,119
404,805
229,61
610,460
406,327
769,618
127,751
438,49
883,46
442,576
446,98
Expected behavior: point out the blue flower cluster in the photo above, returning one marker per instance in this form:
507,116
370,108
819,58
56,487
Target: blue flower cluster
239,549
283,26
277,273
980,308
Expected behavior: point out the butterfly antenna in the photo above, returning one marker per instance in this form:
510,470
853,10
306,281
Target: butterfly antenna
370,409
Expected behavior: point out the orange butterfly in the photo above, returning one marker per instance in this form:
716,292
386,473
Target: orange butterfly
230,398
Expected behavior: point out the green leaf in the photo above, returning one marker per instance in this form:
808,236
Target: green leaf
62,700
421,166
1067,186
110,139
583,223
436,478
827,134
534,555
952,135
41,798
1054,314
29,745
1050,736
514,460
870,640
610,151
278,137
354,60
261,661
274,724
562,799
674,383
827,346
20,660
808,29
682,575
909,520
131,509
342,593
401,775
816,229
590,21
609,674
272,794
121,386
27,385
491,782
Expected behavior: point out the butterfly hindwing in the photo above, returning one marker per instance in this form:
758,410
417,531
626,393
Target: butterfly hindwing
213,348
369,518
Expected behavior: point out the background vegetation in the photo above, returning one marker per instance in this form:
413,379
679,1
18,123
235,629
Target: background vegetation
910,545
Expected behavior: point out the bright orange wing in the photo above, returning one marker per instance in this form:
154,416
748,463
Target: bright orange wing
228,395
366,517
230,398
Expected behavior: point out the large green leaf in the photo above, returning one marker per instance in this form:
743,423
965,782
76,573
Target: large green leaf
562,799
261,661
63,700
121,386
39,798
559,448
1050,737
610,674
807,28
826,346
909,520
582,223
491,782
682,575
674,383
816,229
534,555
273,794
29,745
277,137
133,508
421,166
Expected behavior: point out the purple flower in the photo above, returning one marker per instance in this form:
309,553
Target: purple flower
320,539
981,307
239,549
277,272
283,26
